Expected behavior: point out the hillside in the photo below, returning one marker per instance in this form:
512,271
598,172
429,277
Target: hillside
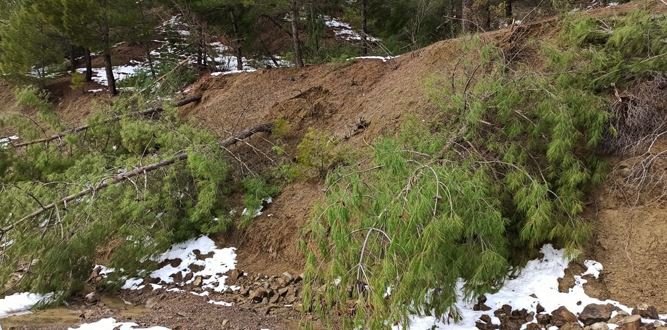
358,103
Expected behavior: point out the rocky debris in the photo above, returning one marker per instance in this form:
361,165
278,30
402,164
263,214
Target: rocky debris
513,319
485,323
562,316
92,298
571,326
599,326
646,311
480,305
632,322
568,281
595,313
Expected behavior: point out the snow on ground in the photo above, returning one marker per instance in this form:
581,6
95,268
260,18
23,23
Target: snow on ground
344,30
379,58
112,324
5,141
537,283
210,269
20,303
120,72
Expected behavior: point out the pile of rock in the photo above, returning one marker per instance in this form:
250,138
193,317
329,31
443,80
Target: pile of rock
593,317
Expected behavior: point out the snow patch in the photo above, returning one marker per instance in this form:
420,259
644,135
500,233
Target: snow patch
212,268
345,31
21,303
112,324
537,283
5,141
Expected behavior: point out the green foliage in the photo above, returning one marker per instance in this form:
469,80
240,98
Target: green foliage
318,153
467,198
78,81
135,218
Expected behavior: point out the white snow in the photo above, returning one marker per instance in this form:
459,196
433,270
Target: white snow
344,30
220,303
20,303
540,279
5,141
221,261
120,73
380,58
258,212
112,324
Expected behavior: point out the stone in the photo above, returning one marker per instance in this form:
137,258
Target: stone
287,277
632,322
258,295
539,309
571,326
224,323
533,326
92,297
187,277
599,326
235,274
151,302
543,318
594,313
485,318
198,281
561,316
646,311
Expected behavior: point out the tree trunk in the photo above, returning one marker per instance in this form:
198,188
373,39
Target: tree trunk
109,70
298,57
72,59
89,64
237,41
508,10
150,62
466,23
364,28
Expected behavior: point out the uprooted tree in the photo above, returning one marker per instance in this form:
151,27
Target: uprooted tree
444,211
120,191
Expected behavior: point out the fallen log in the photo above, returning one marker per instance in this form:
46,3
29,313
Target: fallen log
79,129
136,172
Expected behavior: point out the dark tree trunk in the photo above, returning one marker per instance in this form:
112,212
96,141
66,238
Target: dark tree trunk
364,27
72,59
149,57
89,64
298,57
508,10
237,41
109,70
487,17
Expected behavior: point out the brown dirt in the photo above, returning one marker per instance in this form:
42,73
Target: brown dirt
630,238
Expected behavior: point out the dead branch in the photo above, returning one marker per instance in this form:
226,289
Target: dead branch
79,129
136,172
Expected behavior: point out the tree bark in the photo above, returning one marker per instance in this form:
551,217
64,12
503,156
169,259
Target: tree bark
72,59
508,10
466,24
364,27
298,56
136,172
237,41
109,70
89,64
148,112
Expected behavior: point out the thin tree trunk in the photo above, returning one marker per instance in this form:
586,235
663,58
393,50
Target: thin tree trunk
109,70
72,59
298,56
364,28
136,172
466,25
149,57
508,10
89,64
145,113
237,41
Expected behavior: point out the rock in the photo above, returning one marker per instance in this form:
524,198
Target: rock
274,299
571,326
485,318
244,291
258,294
567,282
198,281
595,313
596,288
533,326
646,311
187,277
632,322
543,318
561,316
599,326
287,277
235,274
539,309
224,323
283,291
92,297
